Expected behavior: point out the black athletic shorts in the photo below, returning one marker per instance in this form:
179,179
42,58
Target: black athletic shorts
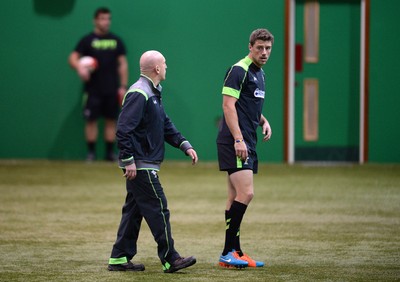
228,161
97,106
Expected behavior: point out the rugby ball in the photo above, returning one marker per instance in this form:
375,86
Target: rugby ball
88,62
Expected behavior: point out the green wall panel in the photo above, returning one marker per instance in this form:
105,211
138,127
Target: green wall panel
41,96
384,114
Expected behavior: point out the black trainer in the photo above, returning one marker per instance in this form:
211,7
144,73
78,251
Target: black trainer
180,263
128,266
91,157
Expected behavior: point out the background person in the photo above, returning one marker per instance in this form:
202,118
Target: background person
142,130
106,84
243,99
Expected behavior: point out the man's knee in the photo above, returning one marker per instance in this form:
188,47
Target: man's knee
245,196
248,196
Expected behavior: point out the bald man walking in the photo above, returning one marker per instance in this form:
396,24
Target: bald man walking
142,128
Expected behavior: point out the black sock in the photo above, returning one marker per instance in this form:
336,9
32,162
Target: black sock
237,243
227,225
237,238
91,147
233,220
109,148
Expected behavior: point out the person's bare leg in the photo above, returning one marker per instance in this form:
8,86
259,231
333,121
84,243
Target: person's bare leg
109,137
231,194
91,131
109,130
240,193
242,182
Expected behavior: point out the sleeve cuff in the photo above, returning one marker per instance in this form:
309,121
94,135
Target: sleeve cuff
124,162
185,145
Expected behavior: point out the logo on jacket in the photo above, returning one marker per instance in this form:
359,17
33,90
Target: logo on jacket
259,93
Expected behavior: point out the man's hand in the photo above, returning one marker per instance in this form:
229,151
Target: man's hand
192,153
130,171
241,150
266,129
83,73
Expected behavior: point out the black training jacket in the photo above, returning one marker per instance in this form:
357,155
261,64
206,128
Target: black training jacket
143,127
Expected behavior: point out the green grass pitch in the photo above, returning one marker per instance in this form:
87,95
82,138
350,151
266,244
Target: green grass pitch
58,221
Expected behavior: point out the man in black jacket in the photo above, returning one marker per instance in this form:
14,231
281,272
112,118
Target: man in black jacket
142,129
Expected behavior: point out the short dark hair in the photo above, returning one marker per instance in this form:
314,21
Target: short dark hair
261,34
101,10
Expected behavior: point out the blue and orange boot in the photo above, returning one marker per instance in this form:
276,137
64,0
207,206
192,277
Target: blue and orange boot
231,260
251,262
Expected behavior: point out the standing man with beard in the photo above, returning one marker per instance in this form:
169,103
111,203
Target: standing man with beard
104,87
243,98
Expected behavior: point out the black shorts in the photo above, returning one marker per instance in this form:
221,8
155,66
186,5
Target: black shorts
228,161
96,106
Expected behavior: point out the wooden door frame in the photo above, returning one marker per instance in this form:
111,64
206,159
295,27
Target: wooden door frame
290,28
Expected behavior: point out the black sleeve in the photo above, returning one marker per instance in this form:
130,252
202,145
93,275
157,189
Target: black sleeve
130,117
174,137
121,47
82,46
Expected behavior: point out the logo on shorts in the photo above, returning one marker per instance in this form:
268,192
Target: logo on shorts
154,173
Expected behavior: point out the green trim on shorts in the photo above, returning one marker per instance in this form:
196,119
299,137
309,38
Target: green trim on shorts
239,163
